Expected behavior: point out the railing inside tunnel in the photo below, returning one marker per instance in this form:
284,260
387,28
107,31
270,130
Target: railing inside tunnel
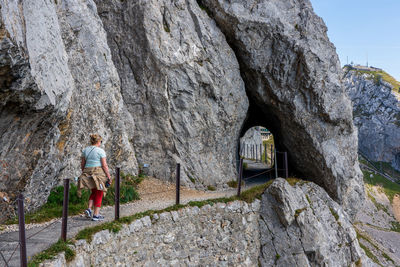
258,152
278,161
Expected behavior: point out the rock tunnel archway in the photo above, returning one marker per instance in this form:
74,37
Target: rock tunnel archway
292,78
259,115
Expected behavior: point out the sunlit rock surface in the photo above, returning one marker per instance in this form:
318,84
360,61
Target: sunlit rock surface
377,116
58,85
181,83
292,77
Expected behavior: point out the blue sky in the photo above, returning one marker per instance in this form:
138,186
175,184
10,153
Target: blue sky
361,27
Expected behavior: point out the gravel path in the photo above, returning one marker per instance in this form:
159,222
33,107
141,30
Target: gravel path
154,193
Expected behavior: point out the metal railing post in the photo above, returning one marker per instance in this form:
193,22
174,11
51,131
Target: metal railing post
276,164
178,182
240,177
22,238
286,166
65,211
266,154
117,192
256,154
271,157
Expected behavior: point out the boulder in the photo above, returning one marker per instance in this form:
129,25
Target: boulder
301,225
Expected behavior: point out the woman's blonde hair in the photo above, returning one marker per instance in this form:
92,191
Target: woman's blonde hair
94,139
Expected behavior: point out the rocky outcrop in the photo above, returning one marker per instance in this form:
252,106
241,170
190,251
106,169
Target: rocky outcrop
377,116
302,226
292,77
181,83
58,85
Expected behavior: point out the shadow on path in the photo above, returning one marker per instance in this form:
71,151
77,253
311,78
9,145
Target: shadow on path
255,174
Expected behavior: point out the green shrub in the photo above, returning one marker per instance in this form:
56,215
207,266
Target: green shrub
245,166
234,183
211,188
52,251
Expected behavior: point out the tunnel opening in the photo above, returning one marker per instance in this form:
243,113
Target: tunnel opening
260,137
257,150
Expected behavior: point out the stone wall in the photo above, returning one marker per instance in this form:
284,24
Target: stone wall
292,225
218,235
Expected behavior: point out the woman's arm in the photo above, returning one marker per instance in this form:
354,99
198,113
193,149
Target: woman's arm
83,162
104,166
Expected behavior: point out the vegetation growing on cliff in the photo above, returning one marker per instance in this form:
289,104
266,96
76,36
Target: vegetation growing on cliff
389,188
377,76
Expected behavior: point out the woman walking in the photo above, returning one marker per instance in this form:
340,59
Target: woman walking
95,176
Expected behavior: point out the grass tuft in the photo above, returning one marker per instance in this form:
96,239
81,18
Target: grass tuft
234,183
334,214
211,188
255,192
293,181
298,211
88,233
395,226
192,179
53,251
245,166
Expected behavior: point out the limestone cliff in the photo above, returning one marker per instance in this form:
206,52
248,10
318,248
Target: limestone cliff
181,83
58,85
292,77
377,116
170,81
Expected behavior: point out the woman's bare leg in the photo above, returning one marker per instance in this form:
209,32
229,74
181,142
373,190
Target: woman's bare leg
90,206
96,211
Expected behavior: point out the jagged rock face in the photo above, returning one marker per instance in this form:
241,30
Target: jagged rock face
377,116
176,93
181,83
302,226
58,85
292,77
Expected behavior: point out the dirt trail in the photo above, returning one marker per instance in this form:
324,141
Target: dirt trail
396,207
